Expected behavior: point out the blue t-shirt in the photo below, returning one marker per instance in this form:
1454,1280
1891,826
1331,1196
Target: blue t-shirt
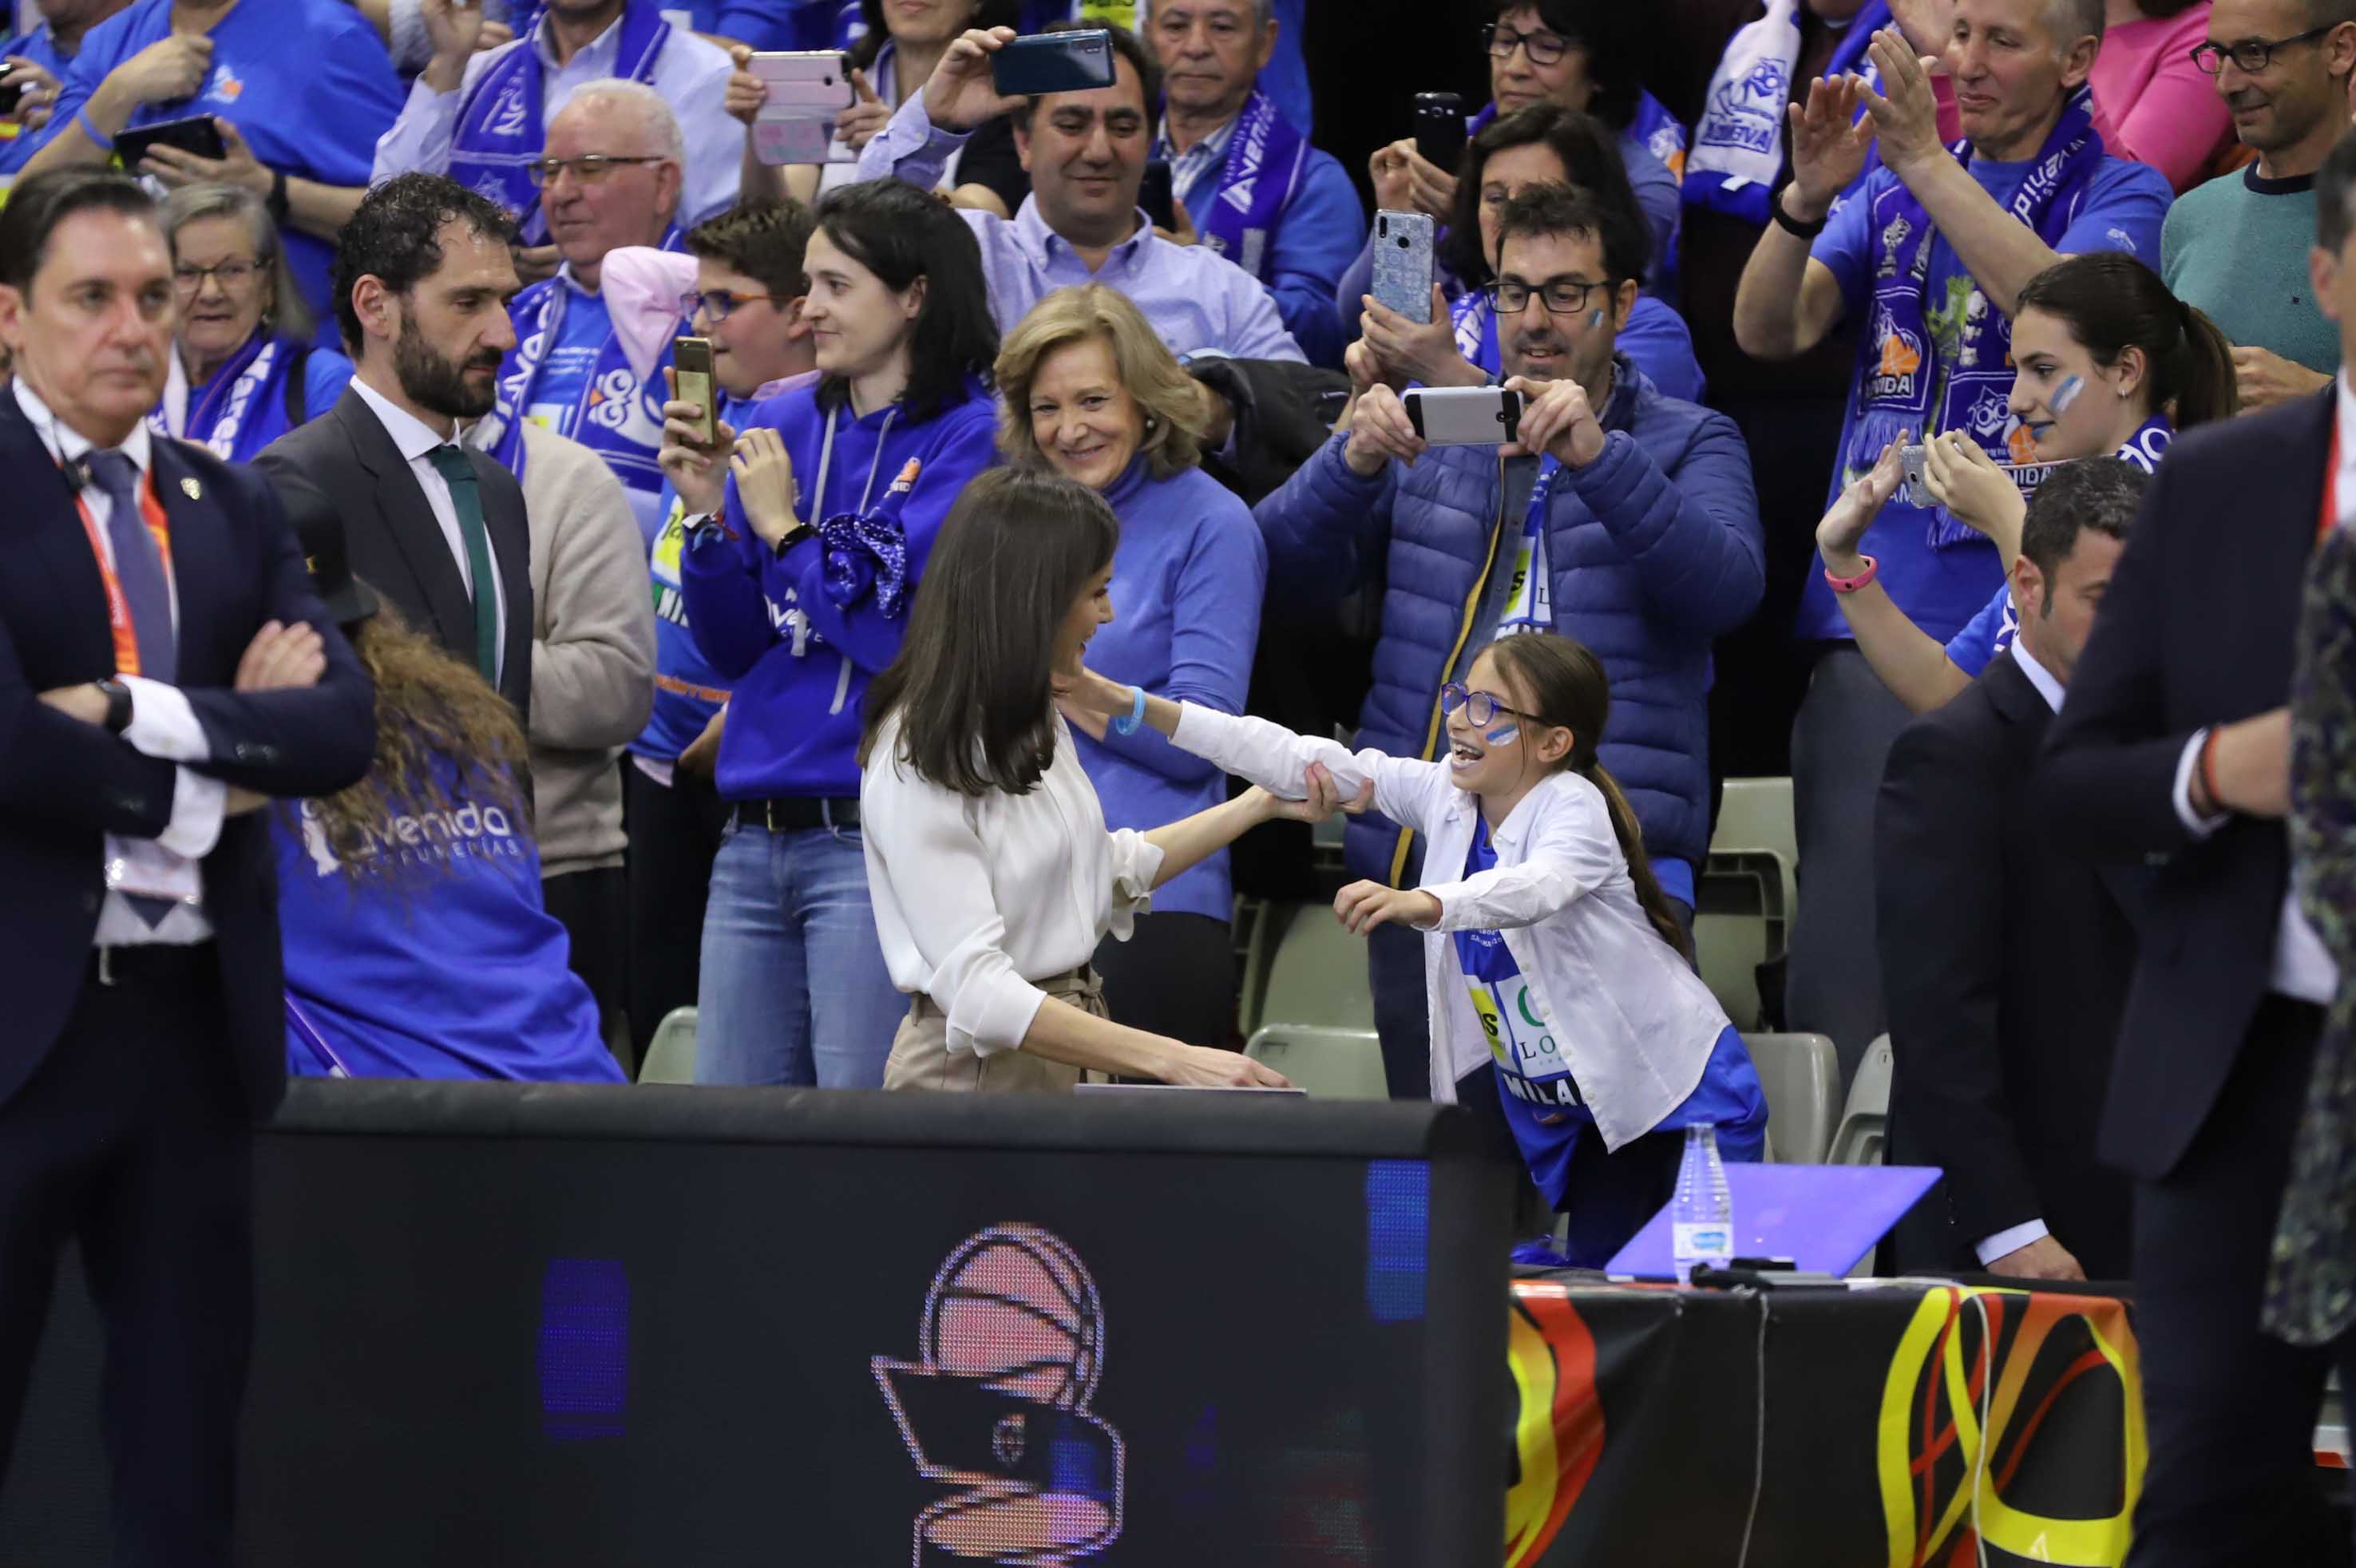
438,959
1541,1101
1940,589
581,337
306,83
39,46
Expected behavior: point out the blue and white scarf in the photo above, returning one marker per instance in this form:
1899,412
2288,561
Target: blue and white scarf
1265,162
1738,147
241,410
502,129
618,417
1905,381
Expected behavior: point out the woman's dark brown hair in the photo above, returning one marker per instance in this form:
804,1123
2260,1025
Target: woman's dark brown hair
2111,303
428,705
1565,686
972,685
1590,160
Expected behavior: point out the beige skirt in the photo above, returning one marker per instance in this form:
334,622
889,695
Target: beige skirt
921,1057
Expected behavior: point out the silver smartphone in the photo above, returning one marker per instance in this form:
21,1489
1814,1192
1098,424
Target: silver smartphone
1918,488
1403,263
1464,416
807,89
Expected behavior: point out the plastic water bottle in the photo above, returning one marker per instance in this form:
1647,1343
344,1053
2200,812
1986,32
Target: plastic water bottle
1702,1224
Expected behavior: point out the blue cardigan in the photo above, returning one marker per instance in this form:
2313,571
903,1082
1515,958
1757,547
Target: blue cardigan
1653,550
1186,585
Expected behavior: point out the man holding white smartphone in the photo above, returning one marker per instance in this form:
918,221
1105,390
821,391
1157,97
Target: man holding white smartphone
1619,517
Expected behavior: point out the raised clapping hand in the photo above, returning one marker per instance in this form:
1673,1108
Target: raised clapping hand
1556,421
455,28
693,468
959,95
1828,146
1861,502
1905,113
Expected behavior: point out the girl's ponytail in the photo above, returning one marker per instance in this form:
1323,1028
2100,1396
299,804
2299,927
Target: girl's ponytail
1657,907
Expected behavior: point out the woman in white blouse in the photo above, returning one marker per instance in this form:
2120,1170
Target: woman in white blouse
992,873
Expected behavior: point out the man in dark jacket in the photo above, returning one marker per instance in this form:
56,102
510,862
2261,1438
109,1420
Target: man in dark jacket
1629,526
2005,954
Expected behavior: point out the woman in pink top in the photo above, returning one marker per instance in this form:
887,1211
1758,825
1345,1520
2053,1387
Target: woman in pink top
2160,109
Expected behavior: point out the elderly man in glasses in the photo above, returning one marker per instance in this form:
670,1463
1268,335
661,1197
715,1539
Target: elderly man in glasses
1621,518
610,176
2237,247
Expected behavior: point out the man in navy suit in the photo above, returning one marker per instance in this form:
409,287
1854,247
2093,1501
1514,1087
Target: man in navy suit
146,582
2174,750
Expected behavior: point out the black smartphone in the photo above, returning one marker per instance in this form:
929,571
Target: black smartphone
691,358
12,92
1439,129
1074,61
1158,197
196,135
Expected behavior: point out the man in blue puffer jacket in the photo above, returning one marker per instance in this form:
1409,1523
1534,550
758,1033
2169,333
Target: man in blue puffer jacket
1631,527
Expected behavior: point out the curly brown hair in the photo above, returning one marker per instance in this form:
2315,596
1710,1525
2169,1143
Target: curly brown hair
427,704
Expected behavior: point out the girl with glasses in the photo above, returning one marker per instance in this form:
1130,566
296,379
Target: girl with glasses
243,370
1560,999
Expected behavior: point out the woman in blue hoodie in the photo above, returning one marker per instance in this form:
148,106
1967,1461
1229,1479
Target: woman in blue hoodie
1090,392
798,595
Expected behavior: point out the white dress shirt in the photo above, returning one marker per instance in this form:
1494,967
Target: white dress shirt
2303,969
1636,1025
416,438
162,726
2012,1238
978,896
691,74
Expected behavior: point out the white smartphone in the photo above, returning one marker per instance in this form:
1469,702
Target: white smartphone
807,89
1912,461
1464,416
1403,263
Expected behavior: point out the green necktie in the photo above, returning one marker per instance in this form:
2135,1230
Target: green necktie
468,502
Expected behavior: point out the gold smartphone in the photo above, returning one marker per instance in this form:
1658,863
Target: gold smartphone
691,358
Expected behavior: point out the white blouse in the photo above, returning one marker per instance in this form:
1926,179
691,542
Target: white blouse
978,896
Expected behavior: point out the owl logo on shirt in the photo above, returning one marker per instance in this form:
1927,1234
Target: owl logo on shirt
226,85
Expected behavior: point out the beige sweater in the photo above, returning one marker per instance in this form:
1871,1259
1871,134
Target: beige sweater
593,649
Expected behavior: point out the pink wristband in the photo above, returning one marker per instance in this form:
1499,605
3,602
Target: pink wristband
1851,585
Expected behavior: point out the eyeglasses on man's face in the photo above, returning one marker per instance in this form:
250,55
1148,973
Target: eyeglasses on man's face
2251,55
1559,296
589,168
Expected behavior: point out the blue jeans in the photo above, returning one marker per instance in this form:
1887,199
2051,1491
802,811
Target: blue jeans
794,990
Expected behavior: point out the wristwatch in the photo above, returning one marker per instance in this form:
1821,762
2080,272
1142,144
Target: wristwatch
1851,585
275,202
118,705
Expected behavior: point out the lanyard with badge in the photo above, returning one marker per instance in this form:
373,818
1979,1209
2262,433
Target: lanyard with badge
1529,607
143,868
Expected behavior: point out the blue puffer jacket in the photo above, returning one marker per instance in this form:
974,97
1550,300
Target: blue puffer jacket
1653,550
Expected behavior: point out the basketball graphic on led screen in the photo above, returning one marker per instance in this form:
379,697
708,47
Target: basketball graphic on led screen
1015,1308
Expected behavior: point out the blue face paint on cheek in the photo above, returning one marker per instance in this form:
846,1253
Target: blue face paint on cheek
2065,395
1594,321
1504,735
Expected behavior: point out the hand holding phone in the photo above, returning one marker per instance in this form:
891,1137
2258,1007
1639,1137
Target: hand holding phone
691,358
961,92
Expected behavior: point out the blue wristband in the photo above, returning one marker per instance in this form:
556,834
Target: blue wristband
1127,722
98,137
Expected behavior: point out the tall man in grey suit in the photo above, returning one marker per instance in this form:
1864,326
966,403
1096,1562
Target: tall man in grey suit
422,279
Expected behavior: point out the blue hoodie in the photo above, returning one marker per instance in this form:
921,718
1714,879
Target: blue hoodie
800,635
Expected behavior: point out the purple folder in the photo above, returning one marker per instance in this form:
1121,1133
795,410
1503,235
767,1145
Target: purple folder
1823,1217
